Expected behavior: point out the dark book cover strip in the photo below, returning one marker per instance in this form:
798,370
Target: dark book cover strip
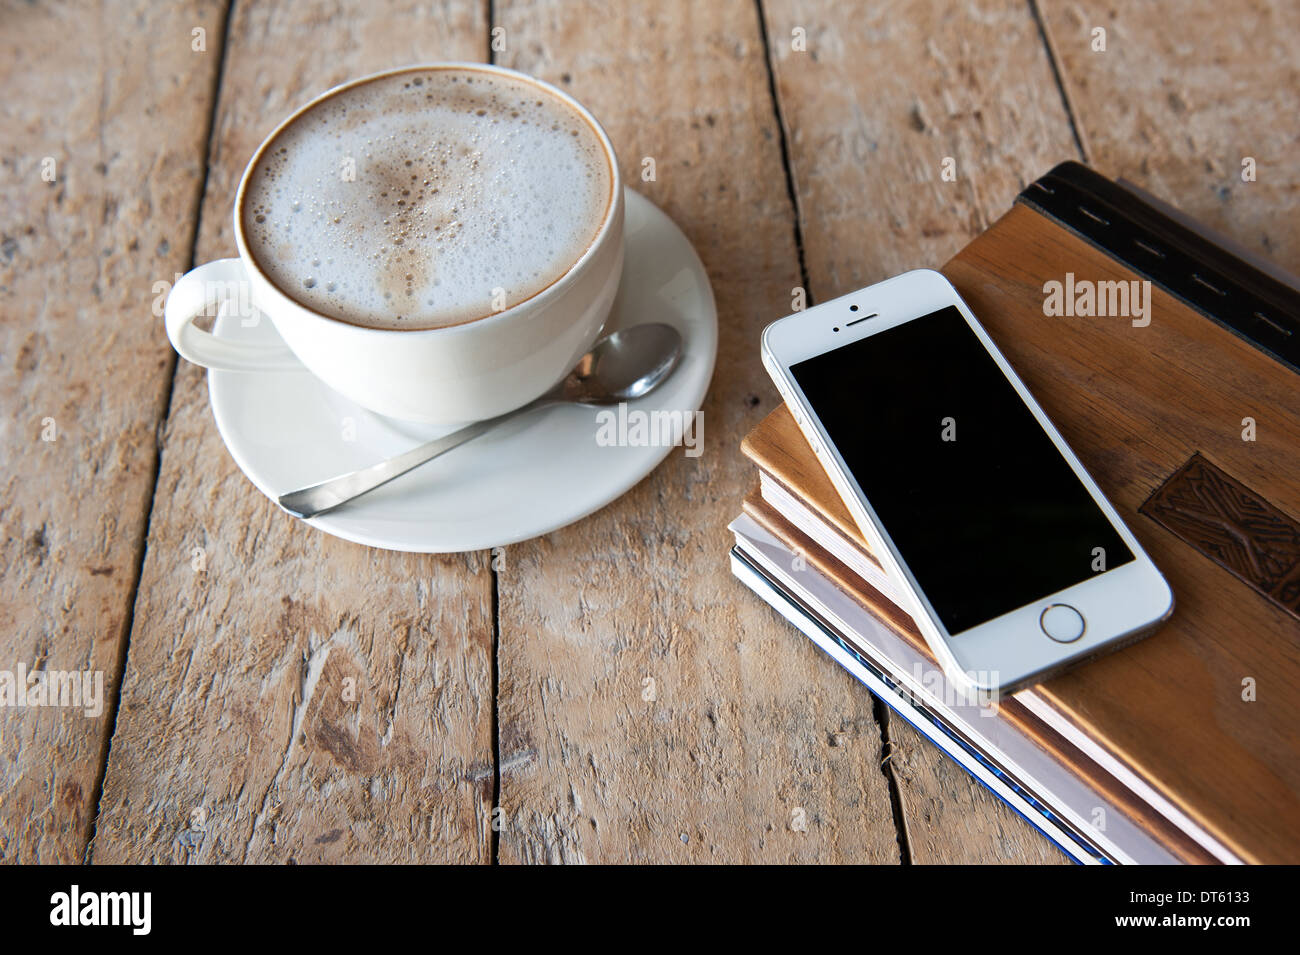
1250,303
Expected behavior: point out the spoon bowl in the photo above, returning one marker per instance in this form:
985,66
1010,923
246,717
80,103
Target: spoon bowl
624,365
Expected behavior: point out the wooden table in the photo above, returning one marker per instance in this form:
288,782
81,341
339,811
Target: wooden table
275,694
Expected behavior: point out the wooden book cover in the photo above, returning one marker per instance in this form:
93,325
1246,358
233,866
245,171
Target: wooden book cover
1187,414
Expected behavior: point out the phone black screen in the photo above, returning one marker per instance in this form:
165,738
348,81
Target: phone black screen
983,509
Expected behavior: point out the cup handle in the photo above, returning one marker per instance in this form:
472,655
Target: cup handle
219,282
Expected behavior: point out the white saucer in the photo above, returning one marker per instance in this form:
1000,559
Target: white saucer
288,429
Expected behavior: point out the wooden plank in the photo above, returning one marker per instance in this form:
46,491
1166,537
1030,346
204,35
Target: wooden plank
751,735
237,737
103,166
1176,103
873,105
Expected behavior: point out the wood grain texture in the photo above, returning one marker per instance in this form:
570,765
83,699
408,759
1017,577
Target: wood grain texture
301,699
878,100
118,129
235,700
873,105
750,735
1178,100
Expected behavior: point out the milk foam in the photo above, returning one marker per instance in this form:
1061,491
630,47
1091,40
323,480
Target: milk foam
410,201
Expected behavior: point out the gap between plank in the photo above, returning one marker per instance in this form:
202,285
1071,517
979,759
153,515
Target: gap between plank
1055,61
878,710
881,712
128,625
785,150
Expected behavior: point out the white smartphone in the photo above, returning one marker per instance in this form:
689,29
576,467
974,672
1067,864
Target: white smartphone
1016,563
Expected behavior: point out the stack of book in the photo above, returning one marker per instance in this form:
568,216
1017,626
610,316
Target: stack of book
798,548
1184,747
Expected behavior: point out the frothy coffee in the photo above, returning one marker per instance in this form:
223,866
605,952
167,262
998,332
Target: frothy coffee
426,198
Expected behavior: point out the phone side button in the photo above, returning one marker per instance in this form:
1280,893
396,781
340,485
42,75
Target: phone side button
1062,623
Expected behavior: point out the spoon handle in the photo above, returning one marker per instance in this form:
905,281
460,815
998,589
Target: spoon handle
318,498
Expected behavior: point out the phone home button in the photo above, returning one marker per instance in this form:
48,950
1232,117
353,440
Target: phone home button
1062,623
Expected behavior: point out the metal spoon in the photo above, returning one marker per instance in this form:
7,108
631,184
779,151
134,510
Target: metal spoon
619,367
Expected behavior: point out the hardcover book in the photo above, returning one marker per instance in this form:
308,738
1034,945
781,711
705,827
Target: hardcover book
1169,364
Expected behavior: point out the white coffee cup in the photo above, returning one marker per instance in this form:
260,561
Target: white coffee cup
447,375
